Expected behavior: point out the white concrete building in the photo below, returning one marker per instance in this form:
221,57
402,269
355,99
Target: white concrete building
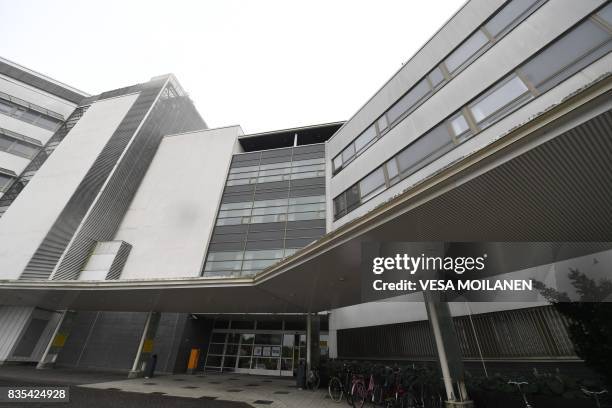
156,228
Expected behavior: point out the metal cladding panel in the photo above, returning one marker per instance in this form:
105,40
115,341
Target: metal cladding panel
119,261
40,83
168,116
12,322
43,262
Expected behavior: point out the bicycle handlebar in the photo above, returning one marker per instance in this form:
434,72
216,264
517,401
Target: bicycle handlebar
587,392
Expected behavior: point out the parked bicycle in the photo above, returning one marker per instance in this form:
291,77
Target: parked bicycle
596,395
518,385
313,380
339,388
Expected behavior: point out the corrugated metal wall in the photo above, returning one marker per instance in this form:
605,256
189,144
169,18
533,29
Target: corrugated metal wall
12,321
538,332
109,340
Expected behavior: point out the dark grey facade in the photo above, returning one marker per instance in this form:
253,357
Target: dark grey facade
273,204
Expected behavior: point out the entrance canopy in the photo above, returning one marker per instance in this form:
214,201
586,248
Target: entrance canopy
548,180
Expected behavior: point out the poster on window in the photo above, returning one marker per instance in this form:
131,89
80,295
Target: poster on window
266,351
276,351
257,351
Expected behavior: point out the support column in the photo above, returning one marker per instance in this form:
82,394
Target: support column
308,341
58,339
145,348
449,354
313,345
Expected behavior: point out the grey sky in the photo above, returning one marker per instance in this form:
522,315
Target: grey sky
262,64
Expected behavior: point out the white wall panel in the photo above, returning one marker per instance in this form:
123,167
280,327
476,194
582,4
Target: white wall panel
172,215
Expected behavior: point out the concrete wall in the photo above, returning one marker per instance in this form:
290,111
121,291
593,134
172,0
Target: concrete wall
27,221
170,220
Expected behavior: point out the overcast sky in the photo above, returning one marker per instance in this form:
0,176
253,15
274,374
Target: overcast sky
265,65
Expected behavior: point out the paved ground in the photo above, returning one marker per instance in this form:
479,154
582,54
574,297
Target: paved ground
257,391
103,389
80,396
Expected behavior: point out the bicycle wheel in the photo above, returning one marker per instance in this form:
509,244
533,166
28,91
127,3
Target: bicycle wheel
335,389
316,383
359,393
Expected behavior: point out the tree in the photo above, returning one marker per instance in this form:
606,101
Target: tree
590,320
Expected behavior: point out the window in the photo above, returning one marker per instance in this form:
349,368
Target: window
225,256
408,101
352,197
606,14
498,97
466,51
270,203
4,181
302,216
505,18
269,210
435,141
436,77
340,205
348,153
337,162
392,170
382,123
564,53
235,206
372,184
459,124
264,254
234,213
223,266
259,264
307,207
365,138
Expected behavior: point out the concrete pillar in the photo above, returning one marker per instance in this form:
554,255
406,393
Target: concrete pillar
308,341
58,340
313,345
449,354
145,348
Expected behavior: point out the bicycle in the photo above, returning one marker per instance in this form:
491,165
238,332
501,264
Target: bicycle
338,388
594,394
518,385
313,380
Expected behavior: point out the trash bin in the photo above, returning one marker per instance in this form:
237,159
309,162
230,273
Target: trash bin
300,378
150,371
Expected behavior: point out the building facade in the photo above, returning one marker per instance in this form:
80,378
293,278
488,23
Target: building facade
32,109
471,140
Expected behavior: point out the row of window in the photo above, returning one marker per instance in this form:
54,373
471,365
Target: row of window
488,34
249,262
17,147
273,210
28,115
575,50
5,181
271,172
